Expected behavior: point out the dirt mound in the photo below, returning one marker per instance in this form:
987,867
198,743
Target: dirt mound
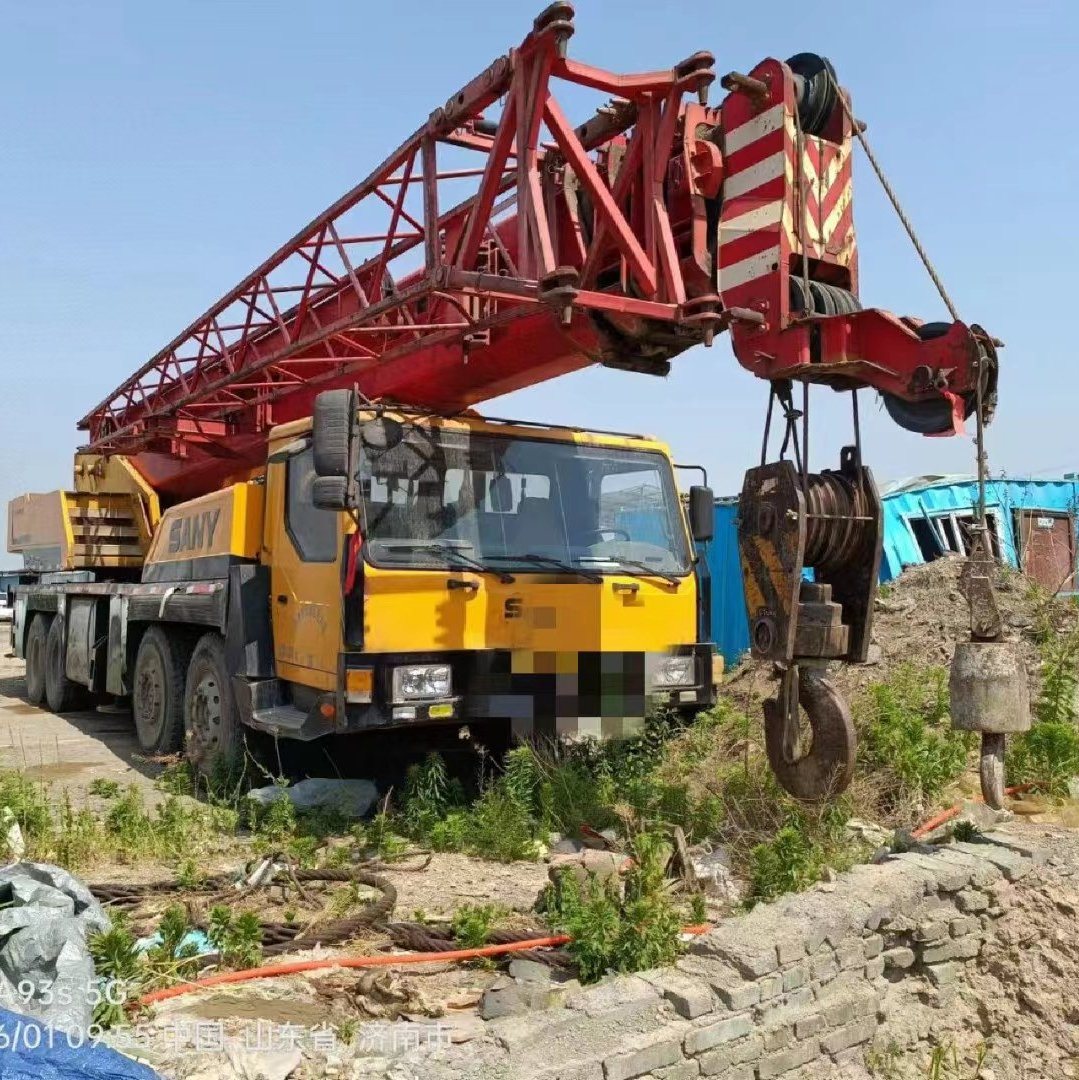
918,618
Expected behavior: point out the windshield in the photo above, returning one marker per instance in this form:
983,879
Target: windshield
450,498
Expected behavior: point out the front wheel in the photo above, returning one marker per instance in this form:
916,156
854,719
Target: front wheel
157,697
214,740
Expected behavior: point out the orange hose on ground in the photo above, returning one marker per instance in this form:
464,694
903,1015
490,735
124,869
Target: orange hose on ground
365,962
946,815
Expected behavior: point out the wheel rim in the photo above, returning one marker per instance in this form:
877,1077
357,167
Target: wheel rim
205,720
148,699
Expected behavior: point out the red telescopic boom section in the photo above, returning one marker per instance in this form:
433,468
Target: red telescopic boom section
500,246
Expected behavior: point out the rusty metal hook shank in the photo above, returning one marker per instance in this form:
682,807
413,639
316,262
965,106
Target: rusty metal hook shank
826,769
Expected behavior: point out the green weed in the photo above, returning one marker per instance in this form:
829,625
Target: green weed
472,924
1046,756
906,741
238,938
630,929
105,789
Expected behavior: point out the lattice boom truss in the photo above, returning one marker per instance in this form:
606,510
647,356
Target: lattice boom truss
499,245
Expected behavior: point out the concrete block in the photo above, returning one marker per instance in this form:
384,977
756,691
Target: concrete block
1037,854
809,1025
771,986
798,1054
739,996
964,948
795,977
965,924
932,931
790,947
613,994
723,1031
725,1060
942,974
853,1034
683,1070
646,1054
777,1038
850,954
971,901
900,957
823,967
878,917
750,959
690,998
940,873
530,971
1013,865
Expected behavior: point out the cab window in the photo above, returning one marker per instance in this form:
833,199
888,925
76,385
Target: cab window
313,532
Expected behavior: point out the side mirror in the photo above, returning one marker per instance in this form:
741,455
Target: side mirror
702,513
334,423
382,433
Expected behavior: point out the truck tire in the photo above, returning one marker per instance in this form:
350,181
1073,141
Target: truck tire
61,694
212,730
36,639
157,696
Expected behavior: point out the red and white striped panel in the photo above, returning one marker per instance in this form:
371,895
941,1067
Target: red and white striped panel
828,216
765,218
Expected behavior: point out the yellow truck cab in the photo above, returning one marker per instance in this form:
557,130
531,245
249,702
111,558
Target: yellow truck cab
393,569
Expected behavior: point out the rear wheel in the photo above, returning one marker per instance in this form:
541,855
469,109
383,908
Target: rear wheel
36,639
157,699
61,693
212,730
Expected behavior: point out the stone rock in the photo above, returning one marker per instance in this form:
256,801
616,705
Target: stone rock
530,971
713,872
981,816
589,862
350,798
868,832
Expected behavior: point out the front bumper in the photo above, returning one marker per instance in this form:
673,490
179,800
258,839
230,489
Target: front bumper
602,694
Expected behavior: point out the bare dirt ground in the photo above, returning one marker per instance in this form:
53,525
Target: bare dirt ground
71,750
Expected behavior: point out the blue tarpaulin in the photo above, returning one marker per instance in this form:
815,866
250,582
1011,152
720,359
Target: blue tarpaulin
31,1050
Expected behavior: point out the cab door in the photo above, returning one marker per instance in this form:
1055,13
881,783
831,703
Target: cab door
302,546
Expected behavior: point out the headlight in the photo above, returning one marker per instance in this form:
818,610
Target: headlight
674,671
416,681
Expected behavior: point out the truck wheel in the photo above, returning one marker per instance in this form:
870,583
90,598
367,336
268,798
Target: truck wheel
61,693
36,638
157,698
214,740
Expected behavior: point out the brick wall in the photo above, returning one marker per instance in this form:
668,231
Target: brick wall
810,981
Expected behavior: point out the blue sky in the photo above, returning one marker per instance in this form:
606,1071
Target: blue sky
155,153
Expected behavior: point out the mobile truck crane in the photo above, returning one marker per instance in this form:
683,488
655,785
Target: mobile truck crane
292,519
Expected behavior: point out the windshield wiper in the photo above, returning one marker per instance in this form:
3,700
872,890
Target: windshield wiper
644,570
547,560
445,547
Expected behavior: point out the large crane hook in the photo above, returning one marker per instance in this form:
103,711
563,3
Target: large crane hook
828,524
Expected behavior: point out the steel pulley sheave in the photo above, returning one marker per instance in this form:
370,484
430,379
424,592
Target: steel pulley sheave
932,417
